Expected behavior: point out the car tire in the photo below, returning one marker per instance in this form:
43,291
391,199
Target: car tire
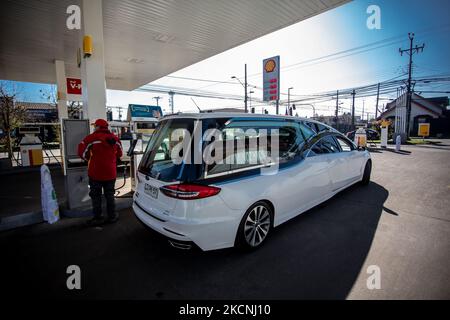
367,172
255,226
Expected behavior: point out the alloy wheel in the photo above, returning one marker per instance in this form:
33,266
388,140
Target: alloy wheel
257,225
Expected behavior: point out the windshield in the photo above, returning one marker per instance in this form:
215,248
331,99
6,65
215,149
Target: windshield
158,160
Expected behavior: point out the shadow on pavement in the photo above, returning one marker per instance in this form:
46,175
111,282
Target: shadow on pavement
316,255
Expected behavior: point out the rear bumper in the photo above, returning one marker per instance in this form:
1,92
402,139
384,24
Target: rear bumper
206,235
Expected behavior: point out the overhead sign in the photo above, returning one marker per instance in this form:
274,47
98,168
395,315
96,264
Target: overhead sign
271,78
136,111
424,130
74,89
74,86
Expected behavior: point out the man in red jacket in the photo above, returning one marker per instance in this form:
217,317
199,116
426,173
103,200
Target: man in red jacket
101,149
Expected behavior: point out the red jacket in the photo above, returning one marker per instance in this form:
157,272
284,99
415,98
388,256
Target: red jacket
101,149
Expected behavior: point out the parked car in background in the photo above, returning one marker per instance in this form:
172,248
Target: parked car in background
220,205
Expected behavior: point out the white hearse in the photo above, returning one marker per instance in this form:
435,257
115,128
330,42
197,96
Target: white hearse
202,181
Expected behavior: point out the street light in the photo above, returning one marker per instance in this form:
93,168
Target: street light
157,100
250,98
289,96
245,87
311,105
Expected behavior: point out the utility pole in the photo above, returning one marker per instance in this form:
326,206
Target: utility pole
245,85
411,51
364,102
289,101
171,102
289,96
157,100
378,100
353,109
337,109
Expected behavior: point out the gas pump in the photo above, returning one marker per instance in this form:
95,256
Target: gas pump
75,169
143,121
31,147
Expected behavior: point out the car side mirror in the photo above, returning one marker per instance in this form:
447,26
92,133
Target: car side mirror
359,148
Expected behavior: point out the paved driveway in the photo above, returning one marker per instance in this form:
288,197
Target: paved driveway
400,222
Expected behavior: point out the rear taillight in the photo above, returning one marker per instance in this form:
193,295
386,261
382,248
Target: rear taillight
189,191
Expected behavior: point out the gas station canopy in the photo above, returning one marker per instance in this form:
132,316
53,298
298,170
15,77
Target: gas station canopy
144,39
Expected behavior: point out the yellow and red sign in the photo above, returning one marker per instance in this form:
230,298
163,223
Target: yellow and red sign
424,130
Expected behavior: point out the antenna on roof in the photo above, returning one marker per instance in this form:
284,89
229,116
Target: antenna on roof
200,110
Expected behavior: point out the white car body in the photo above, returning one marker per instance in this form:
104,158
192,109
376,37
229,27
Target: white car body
212,223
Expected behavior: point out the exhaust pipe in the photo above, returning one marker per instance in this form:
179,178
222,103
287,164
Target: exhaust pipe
180,245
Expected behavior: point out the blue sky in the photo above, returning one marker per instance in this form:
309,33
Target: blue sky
337,30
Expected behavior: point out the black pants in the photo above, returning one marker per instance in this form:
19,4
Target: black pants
96,195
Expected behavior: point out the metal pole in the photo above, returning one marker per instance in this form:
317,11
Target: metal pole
364,103
172,107
353,109
289,97
246,109
378,100
337,109
289,100
157,100
411,52
408,97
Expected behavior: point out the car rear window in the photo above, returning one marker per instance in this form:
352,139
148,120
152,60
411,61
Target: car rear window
157,161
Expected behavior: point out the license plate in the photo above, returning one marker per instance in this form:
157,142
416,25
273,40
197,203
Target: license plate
151,191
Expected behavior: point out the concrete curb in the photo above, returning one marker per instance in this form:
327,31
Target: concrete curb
20,220
36,217
16,170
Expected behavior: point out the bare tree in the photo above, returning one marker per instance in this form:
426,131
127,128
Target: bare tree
11,116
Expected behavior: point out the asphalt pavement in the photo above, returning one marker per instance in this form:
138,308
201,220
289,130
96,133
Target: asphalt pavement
399,223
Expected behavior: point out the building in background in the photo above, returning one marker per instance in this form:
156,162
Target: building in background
423,110
40,112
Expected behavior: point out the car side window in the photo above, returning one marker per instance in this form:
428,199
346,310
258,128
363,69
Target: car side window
311,126
329,145
321,128
325,145
290,136
344,144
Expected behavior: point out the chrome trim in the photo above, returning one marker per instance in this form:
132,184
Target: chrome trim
237,170
179,245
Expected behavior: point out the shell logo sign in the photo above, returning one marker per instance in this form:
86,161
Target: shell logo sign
271,79
270,65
